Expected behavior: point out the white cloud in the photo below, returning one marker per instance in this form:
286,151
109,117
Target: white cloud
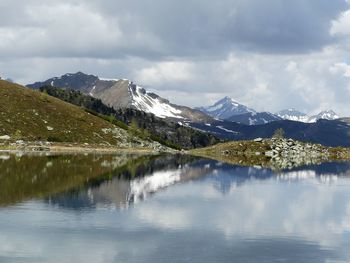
342,68
165,72
60,29
341,26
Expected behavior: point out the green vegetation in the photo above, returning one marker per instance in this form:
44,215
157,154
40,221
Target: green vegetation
31,115
278,134
109,118
141,124
236,152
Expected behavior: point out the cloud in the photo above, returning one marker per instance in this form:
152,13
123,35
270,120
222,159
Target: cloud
161,28
165,72
267,54
211,28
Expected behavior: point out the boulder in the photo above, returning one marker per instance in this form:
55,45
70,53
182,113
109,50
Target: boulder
5,137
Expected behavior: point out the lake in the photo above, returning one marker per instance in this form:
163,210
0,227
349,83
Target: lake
171,208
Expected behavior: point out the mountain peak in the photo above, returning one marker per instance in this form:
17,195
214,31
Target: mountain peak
226,108
227,99
324,115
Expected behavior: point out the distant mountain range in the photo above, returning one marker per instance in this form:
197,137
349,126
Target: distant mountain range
294,115
123,93
231,110
226,119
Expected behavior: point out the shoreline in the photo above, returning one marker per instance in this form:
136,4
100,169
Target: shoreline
36,147
277,154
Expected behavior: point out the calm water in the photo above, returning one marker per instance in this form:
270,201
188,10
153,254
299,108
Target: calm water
102,208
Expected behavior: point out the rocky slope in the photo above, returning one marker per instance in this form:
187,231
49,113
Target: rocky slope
27,115
122,93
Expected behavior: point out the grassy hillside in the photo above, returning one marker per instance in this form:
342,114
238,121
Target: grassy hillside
34,116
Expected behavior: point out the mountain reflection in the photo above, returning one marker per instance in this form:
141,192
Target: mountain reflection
118,181
32,176
121,191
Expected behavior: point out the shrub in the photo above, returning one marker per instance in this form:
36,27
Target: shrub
278,134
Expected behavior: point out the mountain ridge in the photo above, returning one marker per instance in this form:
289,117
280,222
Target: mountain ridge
123,93
295,115
231,110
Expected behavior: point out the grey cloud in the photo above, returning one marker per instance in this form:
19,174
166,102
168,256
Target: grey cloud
192,27
164,28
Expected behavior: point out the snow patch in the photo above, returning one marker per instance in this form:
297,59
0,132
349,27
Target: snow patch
227,130
107,79
144,102
92,91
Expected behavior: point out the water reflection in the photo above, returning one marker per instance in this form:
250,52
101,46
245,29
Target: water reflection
24,177
120,191
192,210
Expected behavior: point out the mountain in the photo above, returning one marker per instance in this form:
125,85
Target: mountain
324,115
230,110
226,108
294,115
167,133
254,118
33,116
326,132
122,93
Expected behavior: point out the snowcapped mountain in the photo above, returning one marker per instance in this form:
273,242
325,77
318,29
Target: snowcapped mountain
255,118
123,93
226,108
294,115
230,110
324,115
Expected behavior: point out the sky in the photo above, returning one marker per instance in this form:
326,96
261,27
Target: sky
269,55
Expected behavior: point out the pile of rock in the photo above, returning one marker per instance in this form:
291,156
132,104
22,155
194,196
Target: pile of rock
288,153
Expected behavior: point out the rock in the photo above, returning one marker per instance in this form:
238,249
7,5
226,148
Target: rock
269,153
5,137
4,157
49,128
226,152
258,140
